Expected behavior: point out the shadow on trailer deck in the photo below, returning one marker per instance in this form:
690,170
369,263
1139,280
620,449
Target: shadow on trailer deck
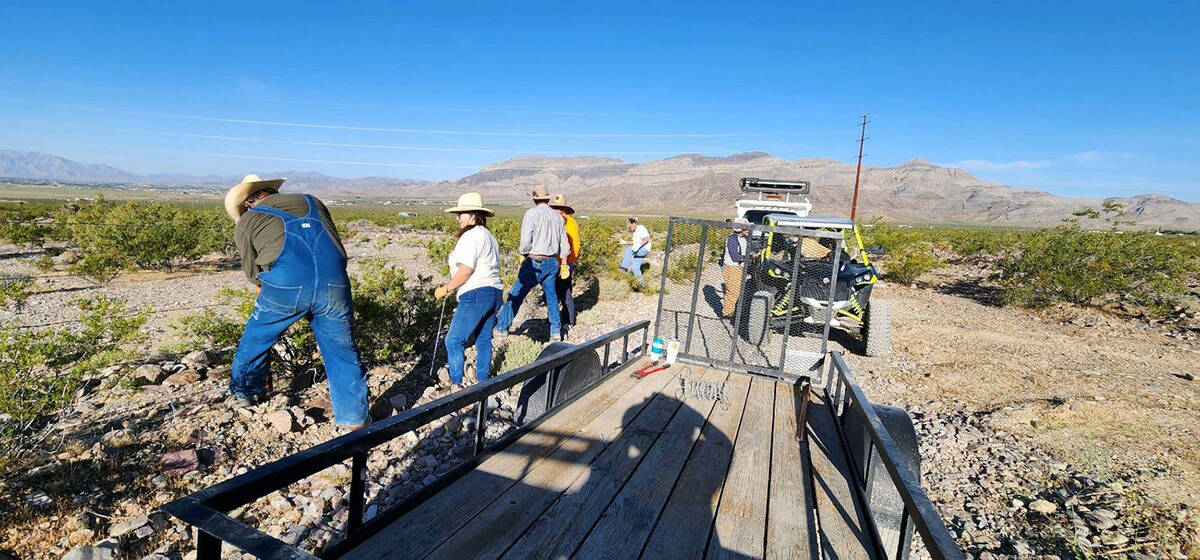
622,468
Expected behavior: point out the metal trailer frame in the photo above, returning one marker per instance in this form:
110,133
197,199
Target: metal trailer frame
207,509
782,372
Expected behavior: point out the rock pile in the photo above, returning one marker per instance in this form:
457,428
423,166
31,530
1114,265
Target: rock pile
1003,498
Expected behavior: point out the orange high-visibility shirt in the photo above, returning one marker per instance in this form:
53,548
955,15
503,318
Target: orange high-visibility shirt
572,227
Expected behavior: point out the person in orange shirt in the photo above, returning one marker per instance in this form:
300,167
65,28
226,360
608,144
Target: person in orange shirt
566,277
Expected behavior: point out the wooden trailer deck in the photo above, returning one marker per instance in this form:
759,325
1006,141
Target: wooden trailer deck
635,469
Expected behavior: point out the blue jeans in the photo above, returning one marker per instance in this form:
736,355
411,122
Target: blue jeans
474,319
307,280
633,261
533,272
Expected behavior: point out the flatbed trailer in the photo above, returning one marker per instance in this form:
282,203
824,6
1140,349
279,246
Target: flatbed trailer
699,460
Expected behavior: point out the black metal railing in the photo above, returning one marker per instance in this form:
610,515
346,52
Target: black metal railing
206,509
846,398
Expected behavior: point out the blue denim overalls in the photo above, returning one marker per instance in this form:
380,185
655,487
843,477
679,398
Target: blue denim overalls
307,280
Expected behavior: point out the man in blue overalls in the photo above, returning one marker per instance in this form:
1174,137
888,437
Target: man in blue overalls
291,250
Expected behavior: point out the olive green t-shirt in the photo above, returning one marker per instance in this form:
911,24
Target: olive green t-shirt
259,236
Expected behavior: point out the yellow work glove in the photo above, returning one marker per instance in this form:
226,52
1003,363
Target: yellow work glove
440,292
564,271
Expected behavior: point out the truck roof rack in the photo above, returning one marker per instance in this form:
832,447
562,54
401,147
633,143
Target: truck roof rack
754,184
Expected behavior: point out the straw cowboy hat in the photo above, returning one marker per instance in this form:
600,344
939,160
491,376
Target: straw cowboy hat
470,202
560,201
540,193
240,192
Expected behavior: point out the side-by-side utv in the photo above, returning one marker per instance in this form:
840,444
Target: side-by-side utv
769,303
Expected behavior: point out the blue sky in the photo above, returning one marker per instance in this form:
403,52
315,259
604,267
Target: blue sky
1086,99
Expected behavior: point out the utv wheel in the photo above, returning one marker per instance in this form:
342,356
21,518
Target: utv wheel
877,328
756,317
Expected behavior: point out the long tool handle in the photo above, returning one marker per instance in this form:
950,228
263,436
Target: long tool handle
437,336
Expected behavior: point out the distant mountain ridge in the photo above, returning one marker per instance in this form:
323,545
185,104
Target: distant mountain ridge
916,190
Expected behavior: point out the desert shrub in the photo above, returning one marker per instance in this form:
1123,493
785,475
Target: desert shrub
438,249
426,222
44,263
519,351
682,268
613,288
208,329
1069,264
41,370
100,267
14,289
394,316
382,242
908,262
393,313
145,235
26,226
599,250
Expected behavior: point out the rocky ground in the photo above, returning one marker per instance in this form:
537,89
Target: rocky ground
1065,433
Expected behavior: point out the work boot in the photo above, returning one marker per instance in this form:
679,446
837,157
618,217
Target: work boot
235,401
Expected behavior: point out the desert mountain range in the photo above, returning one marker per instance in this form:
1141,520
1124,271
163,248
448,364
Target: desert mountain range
917,190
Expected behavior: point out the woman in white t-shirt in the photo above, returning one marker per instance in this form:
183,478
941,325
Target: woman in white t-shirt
475,278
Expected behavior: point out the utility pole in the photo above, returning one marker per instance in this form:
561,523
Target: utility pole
862,137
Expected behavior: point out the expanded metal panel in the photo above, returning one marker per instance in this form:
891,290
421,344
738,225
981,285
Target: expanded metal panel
778,325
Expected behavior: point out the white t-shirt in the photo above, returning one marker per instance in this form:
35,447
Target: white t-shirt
641,234
477,248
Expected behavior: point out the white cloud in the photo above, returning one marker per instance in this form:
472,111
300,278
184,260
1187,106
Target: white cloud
1092,157
985,165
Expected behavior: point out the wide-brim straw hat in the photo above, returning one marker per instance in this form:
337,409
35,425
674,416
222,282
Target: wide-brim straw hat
470,202
560,202
540,193
240,192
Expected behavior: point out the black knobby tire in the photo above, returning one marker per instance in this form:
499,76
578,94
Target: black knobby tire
757,316
877,328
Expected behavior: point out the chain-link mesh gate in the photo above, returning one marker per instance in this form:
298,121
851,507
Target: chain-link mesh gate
775,320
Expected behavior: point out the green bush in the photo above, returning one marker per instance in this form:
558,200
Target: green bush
149,235
1082,267
14,289
683,268
519,351
394,317
209,329
24,225
907,263
44,263
438,250
41,370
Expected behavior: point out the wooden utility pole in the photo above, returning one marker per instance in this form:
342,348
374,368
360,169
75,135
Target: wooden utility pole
862,137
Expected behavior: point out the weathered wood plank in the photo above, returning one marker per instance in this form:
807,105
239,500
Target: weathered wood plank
843,527
623,528
431,522
791,530
683,527
741,524
633,422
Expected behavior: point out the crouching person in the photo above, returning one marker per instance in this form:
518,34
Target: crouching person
475,280
291,250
